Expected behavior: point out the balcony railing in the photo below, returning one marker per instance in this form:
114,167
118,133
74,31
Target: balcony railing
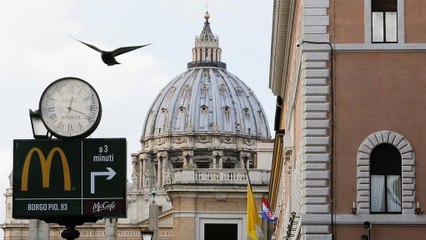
235,176
207,64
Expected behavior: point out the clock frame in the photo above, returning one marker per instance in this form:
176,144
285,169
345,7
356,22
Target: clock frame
70,108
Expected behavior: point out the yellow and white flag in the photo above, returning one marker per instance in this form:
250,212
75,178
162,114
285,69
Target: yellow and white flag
254,226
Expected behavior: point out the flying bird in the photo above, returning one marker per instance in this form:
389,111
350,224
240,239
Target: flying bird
108,57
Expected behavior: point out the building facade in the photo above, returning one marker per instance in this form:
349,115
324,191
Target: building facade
204,135
349,142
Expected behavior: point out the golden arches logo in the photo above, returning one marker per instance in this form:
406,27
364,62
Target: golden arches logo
45,168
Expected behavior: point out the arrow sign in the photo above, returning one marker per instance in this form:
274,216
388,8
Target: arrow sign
111,173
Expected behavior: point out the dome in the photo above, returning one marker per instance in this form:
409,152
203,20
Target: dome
203,102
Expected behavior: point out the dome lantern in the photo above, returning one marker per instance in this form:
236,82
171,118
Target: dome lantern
206,51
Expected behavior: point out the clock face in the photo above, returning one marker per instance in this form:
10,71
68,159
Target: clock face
70,108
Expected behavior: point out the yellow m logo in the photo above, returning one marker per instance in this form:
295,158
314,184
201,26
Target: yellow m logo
45,168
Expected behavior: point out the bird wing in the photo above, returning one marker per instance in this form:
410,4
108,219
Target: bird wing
91,46
122,50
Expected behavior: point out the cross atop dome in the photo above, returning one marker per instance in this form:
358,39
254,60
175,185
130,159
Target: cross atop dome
206,51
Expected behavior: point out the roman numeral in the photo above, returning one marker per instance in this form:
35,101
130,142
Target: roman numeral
52,117
51,109
70,88
60,126
59,90
51,98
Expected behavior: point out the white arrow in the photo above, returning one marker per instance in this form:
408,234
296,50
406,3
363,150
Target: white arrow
111,173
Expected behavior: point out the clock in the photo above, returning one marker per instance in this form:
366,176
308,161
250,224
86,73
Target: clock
70,108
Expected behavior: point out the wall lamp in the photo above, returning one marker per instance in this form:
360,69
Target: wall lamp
354,208
39,130
418,210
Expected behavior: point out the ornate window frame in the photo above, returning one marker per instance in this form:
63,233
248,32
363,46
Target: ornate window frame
408,170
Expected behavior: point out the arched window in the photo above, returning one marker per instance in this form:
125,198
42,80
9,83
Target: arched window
385,179
385,174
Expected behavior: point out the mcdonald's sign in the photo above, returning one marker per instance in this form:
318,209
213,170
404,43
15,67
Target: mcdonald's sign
45,167
55,178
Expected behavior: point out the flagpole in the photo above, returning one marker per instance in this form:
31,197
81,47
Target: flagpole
254,225
248,176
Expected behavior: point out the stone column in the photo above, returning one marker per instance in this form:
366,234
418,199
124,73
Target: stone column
244,159
141,171
185,161
135,172
110,229
194,55
203,55
214,162
191,159
162,165
38,230
188,154
209,55
158,171
145,171
216,155
198,55
215,55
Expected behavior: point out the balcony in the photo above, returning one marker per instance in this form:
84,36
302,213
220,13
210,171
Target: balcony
235,176
206,64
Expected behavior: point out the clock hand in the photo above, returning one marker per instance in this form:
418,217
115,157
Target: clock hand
71,109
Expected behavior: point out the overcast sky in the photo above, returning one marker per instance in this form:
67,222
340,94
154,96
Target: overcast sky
37,49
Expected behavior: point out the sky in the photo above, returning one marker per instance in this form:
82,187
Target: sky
37,49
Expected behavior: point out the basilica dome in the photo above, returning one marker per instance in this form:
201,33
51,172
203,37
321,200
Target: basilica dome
206,100
204,132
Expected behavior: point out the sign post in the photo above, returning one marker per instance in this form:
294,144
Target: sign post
67,180
63,180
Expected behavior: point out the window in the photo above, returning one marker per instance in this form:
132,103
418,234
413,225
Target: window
203,165
228,165
386,168
177,164
385,174
384,21
220,226
220,231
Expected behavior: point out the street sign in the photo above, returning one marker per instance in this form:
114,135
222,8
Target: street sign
69,178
